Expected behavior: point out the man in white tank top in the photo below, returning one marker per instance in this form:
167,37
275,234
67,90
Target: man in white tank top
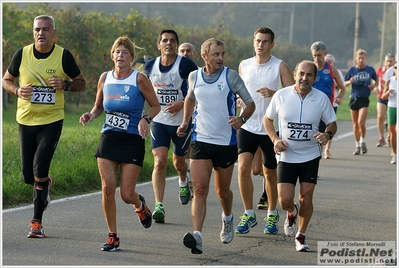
212,92
262,76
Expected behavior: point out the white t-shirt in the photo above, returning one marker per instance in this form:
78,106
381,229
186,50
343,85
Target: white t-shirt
388,73
392,99
299,121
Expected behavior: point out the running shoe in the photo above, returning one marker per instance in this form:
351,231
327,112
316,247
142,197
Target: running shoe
290,223
380,142
263,204
227,234
327,154
246,223
393,161
185,195
51,183
300,244
36,230
159,214
357,151
364,148
112,243
271,223
144,214
194,242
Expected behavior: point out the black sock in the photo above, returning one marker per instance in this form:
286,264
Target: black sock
40,190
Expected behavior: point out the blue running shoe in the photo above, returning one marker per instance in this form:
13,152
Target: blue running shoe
271,224
246,223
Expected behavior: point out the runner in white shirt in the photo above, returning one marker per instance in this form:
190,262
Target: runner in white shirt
390,93
262,76
299,109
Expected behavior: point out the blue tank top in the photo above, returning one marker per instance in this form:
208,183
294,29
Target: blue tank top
325,81
123,103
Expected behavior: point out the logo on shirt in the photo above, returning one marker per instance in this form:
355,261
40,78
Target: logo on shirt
126,88
220,86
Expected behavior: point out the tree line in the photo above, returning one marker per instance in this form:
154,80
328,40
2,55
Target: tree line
89,35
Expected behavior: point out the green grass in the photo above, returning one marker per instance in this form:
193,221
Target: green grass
74,166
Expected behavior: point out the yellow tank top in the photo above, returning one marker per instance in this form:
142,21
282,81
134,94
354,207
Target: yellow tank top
46,104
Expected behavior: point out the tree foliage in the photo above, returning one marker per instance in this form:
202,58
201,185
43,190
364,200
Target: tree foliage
89,35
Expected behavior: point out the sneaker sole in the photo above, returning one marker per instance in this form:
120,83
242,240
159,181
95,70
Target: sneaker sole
32,235
190,242
111,250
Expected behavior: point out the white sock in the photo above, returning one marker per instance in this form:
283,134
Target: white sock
227,218
141,205
362,140
249,212
182,183
198,233
297,234
271,212
357,144
294,212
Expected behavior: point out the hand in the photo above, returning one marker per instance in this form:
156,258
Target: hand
280,146
25,92
86,118
235,122
322,137
266,93
143,128
174,107
56,82
181,130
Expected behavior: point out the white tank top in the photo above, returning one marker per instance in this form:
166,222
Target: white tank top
167,87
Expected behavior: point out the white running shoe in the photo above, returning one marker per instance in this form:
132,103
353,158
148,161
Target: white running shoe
290,223
227,233
300,244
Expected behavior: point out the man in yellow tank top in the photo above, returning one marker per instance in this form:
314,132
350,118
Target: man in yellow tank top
44,71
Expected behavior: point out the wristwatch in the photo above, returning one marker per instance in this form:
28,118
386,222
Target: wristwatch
243,119
147,118
330,135
68,85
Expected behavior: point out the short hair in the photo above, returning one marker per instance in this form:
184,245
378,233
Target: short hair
126,42
44,17
361,51
207,44
167,31
307,61
389,55
265,30
318,45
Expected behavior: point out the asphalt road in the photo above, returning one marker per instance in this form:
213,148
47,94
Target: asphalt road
355,200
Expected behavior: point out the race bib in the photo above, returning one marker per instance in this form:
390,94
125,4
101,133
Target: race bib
117,120
43,95
299,131
166,96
